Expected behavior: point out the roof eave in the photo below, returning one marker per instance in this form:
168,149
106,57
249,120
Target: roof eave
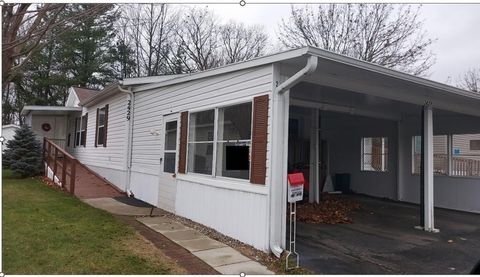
260,61
389,72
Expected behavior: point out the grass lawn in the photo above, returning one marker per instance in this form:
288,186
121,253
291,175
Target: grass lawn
46,231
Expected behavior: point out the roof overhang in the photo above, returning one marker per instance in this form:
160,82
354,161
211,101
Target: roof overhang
49,110
148,79
260,61
345,72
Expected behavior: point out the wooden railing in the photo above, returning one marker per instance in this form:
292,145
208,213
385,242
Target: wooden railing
59,142
61,163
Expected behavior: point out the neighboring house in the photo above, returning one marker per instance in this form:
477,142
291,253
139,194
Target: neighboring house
8,131
213,146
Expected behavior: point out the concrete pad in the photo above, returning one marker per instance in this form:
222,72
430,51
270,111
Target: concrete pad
115,207
200,244
149,221
187,234
167,227
221,256
249,268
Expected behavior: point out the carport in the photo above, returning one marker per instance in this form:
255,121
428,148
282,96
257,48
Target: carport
380,127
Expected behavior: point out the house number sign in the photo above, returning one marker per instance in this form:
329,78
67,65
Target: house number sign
129,109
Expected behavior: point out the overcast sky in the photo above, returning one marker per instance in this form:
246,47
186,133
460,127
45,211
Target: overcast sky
456,26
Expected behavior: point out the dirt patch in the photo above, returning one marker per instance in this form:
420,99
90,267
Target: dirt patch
332,209
145,249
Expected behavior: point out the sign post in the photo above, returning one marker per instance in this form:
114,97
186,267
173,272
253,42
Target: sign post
296,182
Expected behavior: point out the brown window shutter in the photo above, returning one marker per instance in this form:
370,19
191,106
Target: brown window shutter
96,127
105,129
85,133
259,140
183,142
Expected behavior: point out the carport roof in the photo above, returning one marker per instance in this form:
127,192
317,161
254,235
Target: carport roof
160,81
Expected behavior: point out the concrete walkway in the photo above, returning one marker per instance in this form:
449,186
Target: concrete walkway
221,257
116,207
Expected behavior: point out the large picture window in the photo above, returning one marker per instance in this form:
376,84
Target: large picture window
375,154
219,141
234,140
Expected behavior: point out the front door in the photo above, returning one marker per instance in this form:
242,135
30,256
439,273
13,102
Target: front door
168,162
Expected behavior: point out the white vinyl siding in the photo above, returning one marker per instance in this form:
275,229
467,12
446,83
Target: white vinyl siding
113,156
151,105
197,95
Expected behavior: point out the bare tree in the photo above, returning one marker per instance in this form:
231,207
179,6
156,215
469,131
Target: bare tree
199,39
240,42
385,34
149,30
166,40
26,28
470,80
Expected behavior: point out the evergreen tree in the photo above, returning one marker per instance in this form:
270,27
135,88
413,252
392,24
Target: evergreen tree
123,62
24,153
85,48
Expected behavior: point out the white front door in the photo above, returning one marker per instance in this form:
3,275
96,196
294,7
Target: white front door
169,162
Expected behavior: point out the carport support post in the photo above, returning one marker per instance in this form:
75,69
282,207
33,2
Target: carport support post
427,159
314,159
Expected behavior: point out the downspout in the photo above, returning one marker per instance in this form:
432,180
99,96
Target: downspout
131,98
277,190
310,67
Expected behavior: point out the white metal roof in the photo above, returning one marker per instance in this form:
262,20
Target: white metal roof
148,79
49,109
10,126
305,51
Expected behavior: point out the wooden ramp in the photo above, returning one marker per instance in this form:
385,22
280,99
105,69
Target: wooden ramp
74,176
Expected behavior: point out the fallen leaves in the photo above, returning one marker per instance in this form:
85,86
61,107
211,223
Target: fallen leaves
332,209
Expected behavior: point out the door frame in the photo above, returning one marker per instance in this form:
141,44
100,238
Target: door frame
169,118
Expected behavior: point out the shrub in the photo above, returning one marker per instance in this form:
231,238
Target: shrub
24,153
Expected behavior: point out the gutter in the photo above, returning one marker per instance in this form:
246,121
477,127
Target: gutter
131,98
310,67
277,191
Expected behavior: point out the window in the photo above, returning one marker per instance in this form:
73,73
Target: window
234,140
375,154
440,154
170,148
78,129
200,142
81,130
101,130
68,139
231,143
466,155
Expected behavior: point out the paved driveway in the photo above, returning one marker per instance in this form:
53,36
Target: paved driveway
382,240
